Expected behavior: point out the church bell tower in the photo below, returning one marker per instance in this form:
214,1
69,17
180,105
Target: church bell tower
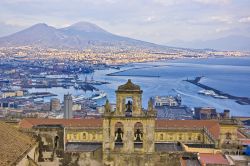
129,128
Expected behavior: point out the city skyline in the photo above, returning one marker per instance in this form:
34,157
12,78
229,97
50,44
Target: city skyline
157,21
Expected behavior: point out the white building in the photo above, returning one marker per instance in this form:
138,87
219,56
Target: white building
166,101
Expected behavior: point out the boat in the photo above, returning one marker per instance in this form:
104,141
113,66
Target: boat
220,97
207,92
212,93
79,98
98,95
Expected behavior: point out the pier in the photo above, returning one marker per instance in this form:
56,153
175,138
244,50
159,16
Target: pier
118,73
239,100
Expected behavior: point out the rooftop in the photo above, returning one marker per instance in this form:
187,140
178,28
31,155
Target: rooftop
218,159
212,125
13,144
31,122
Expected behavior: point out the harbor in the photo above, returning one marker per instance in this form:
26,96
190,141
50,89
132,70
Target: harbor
209,91
171,76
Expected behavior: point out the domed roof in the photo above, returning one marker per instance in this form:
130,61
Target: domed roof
129,86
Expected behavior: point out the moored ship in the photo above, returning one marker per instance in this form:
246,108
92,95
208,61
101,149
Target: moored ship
98,95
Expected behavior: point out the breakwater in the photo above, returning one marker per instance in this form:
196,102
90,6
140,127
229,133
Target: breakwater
119,73
238,99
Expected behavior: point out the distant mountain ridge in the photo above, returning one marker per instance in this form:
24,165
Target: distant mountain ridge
76,36
83,35
240,43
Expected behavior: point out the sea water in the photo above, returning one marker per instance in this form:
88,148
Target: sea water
229,74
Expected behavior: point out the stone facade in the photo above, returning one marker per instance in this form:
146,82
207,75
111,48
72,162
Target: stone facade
128,129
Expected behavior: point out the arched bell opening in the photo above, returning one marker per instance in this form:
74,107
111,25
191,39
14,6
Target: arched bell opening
128,106
119,130
138,135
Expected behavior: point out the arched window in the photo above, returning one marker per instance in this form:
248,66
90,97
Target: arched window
119,132
75,136
161,136
138,132
84,136
170,136
199,138
129,106
138,135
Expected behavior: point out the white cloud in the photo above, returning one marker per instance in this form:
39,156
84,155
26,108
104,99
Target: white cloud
222,19
168,2
152,19
149,19
223,29
213,2
141,19
18,23
244,20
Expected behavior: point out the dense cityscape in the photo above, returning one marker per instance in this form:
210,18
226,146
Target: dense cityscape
62,137
109,56
139,83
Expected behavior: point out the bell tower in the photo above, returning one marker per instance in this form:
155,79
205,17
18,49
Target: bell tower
128,100
128,129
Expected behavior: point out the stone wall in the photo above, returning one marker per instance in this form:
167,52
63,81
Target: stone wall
139,159
186,136
73,134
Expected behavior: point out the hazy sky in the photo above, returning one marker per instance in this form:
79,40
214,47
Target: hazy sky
159,21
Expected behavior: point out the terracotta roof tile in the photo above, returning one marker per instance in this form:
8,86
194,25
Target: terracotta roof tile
212,125
245,141
240,135
13,144
212,159
30,122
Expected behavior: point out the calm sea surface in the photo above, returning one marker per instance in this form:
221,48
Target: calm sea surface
231,75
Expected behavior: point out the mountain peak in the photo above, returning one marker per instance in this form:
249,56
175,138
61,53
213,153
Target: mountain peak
40,25
77,36
85,26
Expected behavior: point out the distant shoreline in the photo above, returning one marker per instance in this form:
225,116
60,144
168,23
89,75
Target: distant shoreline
164,61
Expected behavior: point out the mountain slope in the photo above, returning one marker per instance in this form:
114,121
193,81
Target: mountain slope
76,36
39,34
